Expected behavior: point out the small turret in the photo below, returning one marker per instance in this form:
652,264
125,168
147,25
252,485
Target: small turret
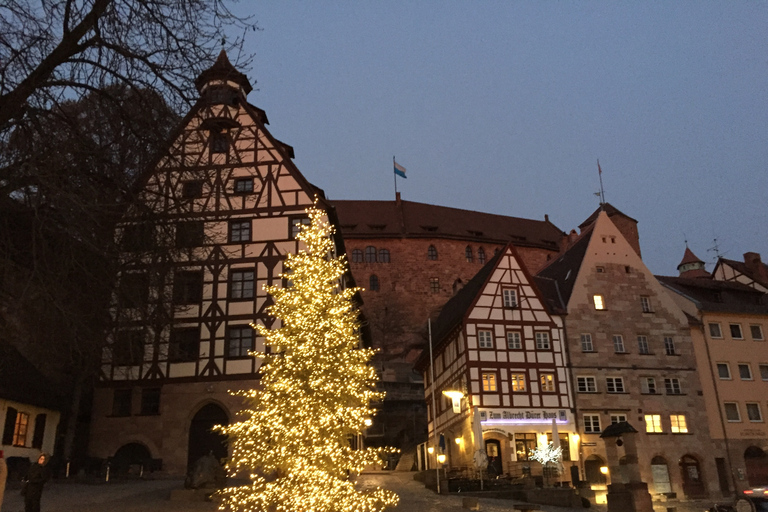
691,266
222,75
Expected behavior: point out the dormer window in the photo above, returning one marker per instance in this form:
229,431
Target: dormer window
222,96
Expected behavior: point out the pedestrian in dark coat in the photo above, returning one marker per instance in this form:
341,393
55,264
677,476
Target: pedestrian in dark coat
36,478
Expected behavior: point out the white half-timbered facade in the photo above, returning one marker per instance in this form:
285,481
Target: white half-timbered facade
216,217
500,343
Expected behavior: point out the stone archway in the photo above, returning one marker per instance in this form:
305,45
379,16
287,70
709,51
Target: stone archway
693,482
660,473
592,472
756,462
202,439
128,455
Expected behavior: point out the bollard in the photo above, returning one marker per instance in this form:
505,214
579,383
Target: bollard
67,474
107,478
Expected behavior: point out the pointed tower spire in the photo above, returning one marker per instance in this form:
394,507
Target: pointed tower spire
223,73
691,266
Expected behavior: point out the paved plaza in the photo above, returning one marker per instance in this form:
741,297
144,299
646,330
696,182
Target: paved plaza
153,496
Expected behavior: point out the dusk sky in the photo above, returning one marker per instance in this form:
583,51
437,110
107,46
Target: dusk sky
505,107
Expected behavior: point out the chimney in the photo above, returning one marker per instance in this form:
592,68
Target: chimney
755,265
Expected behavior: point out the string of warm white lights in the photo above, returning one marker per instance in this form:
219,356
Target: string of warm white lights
316,389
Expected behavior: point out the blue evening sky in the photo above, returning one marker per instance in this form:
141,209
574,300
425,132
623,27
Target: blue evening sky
505,107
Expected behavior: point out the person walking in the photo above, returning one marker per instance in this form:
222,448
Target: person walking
36,478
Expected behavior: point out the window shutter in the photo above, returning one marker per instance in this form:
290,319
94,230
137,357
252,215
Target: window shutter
37,438
10,424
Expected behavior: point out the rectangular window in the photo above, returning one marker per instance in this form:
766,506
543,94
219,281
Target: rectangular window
121,402
736,332
547,382
732,411
434,285
188,287
239,341
150,401
648,385
757,332
240,231
672,386
514,341
192,189
745,371
599,302
614,384
510,298
565,445
618,344
669,346
518,382
753,412
524,445
241,284
219,142
243,185
20,429
714,331
586,343
297,223
764,371
542,341
678,424
485,339
184,345
586,384
653,423
723,371
645,304
642,345
128,348
618,418
489,382
138,238
591,423
133,291
190,234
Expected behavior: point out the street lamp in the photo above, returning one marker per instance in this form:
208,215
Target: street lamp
455,395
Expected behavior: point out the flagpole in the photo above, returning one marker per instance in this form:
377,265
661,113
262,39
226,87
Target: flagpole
434,402
394,175
602,192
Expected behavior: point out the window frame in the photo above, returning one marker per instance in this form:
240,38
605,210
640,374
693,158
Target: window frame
755,407
763,368
150,404
519,340
240,231
653,424
727,367
357,256
243,292
434,285
617,417
748,368
756,328
598,301
648,386
669,346
20,429
374,285
295,224
469,255
384,256
587,345
672,386
620,344
489,382
240,349
242,186
735,408
591,425
543,340
731,330
676,426
615,385
517,382
180,350
715,327
481,256
509,297
583,384
482,342
643,346
370,255
547,382
645,304
432,253
183,293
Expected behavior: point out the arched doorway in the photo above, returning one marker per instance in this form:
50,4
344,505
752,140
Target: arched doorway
131,454
592,472
202,439
756,462
660,472
693,483
493,450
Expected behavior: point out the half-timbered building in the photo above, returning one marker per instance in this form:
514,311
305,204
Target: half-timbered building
500,343
217,214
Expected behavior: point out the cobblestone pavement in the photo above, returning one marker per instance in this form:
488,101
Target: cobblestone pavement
153,496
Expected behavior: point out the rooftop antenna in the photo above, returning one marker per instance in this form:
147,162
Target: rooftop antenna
716,249
602,192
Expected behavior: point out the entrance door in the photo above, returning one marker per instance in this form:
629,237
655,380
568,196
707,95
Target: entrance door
756,462
493,450
592,471
660,472
202,439
693,483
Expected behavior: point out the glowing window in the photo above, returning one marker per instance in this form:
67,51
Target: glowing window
599,302
518,381
653,423
489,382
679,425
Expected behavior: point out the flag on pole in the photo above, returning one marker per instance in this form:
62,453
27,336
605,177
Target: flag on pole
599,170
399,170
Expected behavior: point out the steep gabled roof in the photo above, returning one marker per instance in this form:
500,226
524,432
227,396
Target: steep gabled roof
607,208
742,268
377,219
21,382
564,269
454,310
689,257
223,70
719,296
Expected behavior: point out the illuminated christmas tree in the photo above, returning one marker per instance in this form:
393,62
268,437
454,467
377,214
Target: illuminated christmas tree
316,389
